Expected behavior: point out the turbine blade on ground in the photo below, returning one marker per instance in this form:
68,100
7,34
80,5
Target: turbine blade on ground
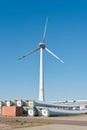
54,55
29,53
45,28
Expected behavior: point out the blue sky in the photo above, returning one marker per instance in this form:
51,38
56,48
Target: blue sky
21,29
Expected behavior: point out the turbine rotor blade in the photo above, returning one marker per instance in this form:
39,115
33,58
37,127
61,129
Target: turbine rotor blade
45,28
54,55
28,53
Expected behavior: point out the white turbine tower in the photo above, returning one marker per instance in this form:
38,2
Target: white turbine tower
41,47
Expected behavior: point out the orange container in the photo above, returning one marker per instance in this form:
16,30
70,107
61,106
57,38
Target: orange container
12,111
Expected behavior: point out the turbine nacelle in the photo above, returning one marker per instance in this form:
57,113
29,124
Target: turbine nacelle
42,45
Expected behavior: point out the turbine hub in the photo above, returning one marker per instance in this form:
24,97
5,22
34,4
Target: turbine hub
42,45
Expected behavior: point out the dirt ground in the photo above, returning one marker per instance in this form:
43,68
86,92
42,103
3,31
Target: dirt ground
44,123
55,127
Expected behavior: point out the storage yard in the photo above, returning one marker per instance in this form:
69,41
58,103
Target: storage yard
36,108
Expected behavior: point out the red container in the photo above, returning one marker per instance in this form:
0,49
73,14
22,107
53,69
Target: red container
12,111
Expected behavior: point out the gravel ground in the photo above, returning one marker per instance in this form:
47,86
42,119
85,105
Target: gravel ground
55,127
44,123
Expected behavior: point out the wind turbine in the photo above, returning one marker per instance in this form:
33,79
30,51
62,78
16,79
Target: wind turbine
41,47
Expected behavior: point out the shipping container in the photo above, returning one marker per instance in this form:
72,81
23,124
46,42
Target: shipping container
12,111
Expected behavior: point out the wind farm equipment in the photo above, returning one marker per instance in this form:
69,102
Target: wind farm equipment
59,112
9,103
47,112
26,102
41,47
40,105
32,112
83,107
2,103
31,103
25,110
20,103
